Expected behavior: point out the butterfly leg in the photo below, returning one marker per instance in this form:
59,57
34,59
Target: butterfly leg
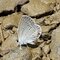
20,47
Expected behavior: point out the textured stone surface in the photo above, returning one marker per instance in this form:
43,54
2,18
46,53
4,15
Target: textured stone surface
35,7
10,42
48,22
53,19
46,49
55,45
36,53
1,34
48,1
48,44
11,20
18,54
46,58
10,4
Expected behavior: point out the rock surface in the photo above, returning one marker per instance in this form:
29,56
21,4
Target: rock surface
53,19
46,13
46,49
36,53
48,1
35,7
48,22
18,54
55,45
11,20
10,42
7,5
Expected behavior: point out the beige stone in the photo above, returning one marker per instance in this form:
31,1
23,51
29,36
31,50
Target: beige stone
55,45
18,54
7,33
46,58
49,22
36,53
10,42
23,1
53,19
36,58
1,34
58,1
14,29
42,44
45,28
45,23
10,4
35,7
46,49
39,21
11,20
48,1
1,19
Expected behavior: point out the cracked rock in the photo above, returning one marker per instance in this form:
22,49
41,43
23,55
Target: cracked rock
46,58
11,20
53,19
6,5
55,44
18,54
10,42
35,7
46,49
36,53
48,1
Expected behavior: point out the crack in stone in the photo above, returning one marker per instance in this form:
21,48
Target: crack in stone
44,14
53,28
17,8
5,13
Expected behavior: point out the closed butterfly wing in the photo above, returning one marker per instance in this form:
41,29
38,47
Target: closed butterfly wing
28,30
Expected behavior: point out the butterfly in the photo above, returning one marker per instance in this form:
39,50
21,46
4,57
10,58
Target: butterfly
28,30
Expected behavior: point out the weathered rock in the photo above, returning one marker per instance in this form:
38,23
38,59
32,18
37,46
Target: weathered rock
14,29
46,49
23,1
48,1
18,54
36,53
1,34
1,19
10,42
53,19
36,58
42,44
7,33
55,45
46,57
51,2
35,7
11,20
10,4
48,22
45,28
58,1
